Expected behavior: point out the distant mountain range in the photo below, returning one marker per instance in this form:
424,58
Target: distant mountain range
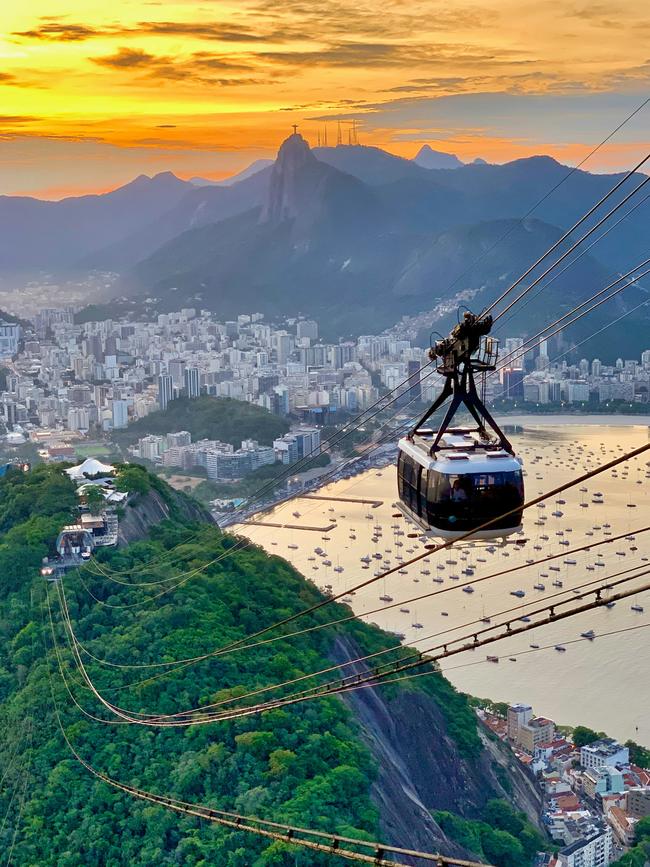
353,235
428,158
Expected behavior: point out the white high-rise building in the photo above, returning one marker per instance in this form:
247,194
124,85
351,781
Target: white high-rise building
602,753
594,851
165,390
120,414
192,379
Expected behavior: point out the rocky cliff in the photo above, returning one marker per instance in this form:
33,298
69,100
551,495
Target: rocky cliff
421,769
146,510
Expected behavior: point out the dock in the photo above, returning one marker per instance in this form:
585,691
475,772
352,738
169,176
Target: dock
374,504
290,526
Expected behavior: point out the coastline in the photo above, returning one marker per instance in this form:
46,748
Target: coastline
533,419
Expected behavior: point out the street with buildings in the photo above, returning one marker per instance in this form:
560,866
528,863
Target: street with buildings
593,795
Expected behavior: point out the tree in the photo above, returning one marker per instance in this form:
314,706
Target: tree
94,499
638,754
501,815
502,849
583,736
133,479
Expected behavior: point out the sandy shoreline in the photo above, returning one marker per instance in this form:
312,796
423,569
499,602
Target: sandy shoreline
533,420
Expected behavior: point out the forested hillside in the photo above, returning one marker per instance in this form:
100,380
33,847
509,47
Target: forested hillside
217,418
173,596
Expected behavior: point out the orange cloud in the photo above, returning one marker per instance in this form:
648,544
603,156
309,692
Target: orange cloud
141,76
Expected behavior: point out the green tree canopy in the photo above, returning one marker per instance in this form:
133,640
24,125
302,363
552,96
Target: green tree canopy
216,418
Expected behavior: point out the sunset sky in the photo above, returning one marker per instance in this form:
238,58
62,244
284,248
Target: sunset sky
96,93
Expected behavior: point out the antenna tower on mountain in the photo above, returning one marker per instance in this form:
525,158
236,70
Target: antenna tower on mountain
325,139
339,139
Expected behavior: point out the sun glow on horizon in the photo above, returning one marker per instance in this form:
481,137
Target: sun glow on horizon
93,95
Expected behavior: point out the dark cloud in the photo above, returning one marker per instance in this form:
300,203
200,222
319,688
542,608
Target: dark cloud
196,68
442,83
54,30
127,58
17,119
202,30
7,78
349,54
59,31
331,18
207,60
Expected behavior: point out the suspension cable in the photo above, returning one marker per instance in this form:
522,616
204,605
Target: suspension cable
565,236
220,652
522,350
573,247
570,264
193,717
318,841
522,607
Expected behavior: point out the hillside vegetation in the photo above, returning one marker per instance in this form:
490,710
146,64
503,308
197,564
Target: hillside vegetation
217,418
304,764
504,837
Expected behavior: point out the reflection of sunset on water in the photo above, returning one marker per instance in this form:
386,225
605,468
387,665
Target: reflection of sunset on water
611,504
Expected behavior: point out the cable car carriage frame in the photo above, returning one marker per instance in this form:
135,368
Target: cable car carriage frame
454,480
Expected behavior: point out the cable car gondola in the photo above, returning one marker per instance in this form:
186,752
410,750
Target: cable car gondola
455,480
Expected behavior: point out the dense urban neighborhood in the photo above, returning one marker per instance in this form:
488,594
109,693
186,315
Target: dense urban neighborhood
593,791
65,380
